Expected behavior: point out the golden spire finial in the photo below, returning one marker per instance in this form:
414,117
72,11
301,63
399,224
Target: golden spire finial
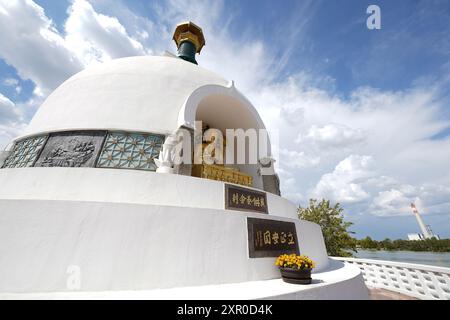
189,31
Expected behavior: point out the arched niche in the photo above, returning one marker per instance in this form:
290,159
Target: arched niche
224,108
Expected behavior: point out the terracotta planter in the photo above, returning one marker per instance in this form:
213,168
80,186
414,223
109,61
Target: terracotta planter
296,276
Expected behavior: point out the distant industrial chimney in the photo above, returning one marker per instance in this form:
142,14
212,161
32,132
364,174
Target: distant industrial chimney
426,230
189,39
420,221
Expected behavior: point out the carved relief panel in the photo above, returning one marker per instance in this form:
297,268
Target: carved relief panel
72,149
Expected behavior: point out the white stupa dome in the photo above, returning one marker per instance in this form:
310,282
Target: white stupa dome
93,200
136,93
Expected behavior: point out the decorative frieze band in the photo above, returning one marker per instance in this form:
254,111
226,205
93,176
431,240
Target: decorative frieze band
97,148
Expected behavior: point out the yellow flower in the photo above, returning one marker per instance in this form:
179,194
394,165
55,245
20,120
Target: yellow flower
294,261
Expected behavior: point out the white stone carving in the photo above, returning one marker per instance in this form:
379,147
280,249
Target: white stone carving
167,155
266,166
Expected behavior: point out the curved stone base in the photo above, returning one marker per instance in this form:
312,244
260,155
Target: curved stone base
132,247
127,230
339,282
123,186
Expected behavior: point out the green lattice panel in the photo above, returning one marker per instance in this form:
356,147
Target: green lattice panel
25,152
130,151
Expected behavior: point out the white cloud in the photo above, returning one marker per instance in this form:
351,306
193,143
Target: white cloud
393,127
11,121
12,82
95,37
298,160
8,111
40,53
391,202
429,198
34,46
288,187
343,184
332,136
381,182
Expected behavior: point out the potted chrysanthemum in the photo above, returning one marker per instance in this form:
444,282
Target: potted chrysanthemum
295,268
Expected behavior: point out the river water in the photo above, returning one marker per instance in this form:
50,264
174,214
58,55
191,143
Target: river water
429,258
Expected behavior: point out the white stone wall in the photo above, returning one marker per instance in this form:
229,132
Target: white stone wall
130,230
131,247
123,186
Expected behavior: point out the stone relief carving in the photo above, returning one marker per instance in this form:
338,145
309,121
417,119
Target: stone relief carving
77,154
71,149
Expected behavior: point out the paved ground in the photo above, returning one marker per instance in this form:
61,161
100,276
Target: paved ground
382,294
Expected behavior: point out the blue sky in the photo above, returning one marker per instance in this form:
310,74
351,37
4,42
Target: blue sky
363,115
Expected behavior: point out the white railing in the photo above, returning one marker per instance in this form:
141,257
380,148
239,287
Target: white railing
415,280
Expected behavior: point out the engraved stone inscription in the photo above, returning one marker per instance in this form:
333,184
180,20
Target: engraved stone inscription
271,238
240,198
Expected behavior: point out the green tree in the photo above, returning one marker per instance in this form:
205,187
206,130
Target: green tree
335,230
368,243
387,244
432,245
